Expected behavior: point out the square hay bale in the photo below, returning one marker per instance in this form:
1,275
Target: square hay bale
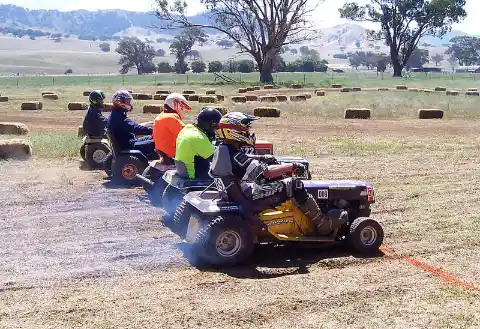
77,106
320,93
356,89
472,93
336,86
354,113
269,87
193,98
107,107
430,114
221,109
15,149
414,89
86,93
346,90
144,97
188,92
383,89
207,99
211,92
452,93
308,95
401,87
297,86
31,106
53,97
256,87
239,99
269,98
250,89
13,128
220,98
3,99
242,90
266,112
440,89
472,89
282,98
47,92
427,91
251,98
160,97
163,92
80,131
298,98
152,108
187,96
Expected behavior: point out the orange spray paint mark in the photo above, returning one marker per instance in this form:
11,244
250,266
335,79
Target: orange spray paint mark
390,253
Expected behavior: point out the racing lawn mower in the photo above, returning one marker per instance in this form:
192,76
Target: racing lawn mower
221,235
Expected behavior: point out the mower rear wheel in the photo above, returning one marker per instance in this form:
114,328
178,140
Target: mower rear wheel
182,217
96,154
366,235
226,240
82,152
125,169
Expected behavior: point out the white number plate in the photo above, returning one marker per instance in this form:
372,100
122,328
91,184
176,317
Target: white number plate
322,194
193,227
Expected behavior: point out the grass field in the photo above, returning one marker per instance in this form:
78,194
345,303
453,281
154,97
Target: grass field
75,253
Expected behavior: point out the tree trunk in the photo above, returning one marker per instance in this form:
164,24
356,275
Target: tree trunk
397,66
266,67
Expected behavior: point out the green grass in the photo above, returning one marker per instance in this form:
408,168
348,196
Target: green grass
51,144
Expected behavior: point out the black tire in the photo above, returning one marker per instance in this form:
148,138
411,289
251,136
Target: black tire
366,235
96,155
125,168
82,152
181,218
171,199
229,227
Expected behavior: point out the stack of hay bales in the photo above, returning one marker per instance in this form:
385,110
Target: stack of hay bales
31,106
15,149
357,113
430,114
77,106
152,108
266,112
13,128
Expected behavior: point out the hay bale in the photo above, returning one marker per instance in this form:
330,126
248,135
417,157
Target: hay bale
160,97
31,106
3,99
193,98
356,89
430,114
86,93
282,98
188,92
256,87
401,87
336,86
428,91
239,99
13,128
413,89
80,131
143,97
320,93
162,92
440,89
472,93
15,149
346,90
50,96
220,98
107,107
210,92
266,112
296,86
472,89
383,89
268,98
47,92
250,89
152,108
77,106
207,99
242,90
354,113
308,95
268,87
298,98
452,93
251,98
221,109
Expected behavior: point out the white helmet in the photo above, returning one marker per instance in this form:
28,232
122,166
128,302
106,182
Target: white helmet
177,103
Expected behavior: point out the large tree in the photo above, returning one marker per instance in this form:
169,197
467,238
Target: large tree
404,22
135,54
464,50
259,27
181,47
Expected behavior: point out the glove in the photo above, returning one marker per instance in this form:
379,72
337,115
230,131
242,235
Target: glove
298,165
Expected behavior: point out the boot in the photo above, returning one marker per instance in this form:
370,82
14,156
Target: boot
314,213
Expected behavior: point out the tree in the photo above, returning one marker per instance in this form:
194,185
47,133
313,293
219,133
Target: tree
279,64
437,58
357,59
304,50
182,46
259,27
215,66
293,51
164,67
104,47
246,66
417,58
194,55
404,23
149,67
160,52
135,54
464,49
198,66
225,43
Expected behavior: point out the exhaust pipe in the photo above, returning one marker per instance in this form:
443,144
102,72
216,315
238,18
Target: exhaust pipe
145,181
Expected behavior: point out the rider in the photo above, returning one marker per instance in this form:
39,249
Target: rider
195,145
124,130
239,173
168,124
95,123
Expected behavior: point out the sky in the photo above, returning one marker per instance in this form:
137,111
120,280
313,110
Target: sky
328,11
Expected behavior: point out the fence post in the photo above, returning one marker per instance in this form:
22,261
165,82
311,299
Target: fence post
304,79
53,81
89,79
155,80
187,78
17,82
123,79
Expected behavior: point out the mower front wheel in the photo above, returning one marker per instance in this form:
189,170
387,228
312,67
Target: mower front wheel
125,169
366,235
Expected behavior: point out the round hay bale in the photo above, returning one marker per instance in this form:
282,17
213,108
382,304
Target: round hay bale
336,86
242,90
50,96
251,98
144,97
346,90
152,108
31,106
430,114
188,92
221,109
472,93
256,87
220,98
15,149
3,99
383,89
320,93
401,87
266,112
268,98
163,92
160,97
353,113
239,99
193,98
250,88
452,93
207,99
298,98
296,86
47,92
86,93
107,107
282,98
13,128
472,89
210,92
80,131
356,89
77,106
440,89
268,87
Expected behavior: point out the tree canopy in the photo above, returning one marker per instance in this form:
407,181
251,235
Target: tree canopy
182,45
135,54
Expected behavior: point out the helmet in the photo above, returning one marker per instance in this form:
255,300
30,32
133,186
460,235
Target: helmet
177,103
96,98
235,126
207,120
123,100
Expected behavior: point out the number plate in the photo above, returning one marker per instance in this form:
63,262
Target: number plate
193,227
322,194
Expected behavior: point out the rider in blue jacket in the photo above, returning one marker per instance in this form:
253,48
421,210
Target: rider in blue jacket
95,123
